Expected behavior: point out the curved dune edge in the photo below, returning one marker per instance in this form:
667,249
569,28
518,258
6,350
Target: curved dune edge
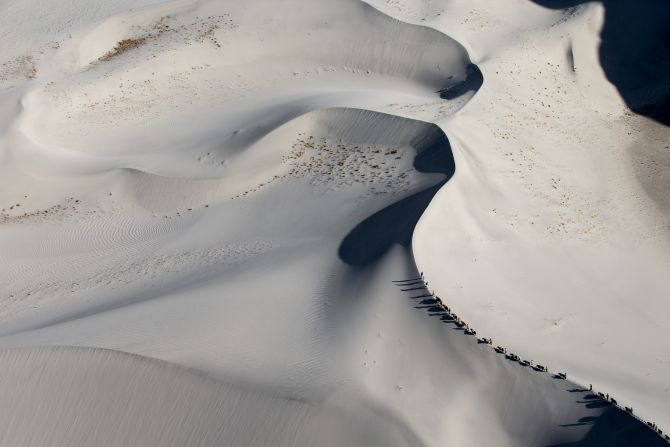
89,396
545,240
420,162
194,108
356,130
169,404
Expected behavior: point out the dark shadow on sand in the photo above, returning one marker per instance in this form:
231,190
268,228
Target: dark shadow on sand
635,52
370,239
586,420
615,428
472,83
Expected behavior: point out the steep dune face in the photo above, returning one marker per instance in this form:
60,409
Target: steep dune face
229,191
552,233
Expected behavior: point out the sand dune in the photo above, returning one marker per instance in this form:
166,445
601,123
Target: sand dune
106,398
545,208
214,215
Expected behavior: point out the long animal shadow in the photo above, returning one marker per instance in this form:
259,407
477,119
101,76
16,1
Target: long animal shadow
370,239
635,52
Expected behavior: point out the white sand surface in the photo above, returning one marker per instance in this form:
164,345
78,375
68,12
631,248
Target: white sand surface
552,234
207,233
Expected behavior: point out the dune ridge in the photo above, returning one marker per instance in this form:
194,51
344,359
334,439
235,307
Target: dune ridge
220,211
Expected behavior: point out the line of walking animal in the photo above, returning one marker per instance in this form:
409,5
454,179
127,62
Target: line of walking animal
629,410
516,358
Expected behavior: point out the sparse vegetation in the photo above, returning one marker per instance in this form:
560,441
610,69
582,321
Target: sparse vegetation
331,165
121,47
17,68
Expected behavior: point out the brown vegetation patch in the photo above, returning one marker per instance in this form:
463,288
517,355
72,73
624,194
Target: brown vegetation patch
121,47
18,68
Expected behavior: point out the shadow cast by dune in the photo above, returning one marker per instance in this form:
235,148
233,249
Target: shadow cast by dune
370,239
615,428
472,83
635,52
612,428
395,224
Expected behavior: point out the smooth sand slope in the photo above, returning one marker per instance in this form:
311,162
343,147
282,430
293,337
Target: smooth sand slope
553,235
218,200
108,398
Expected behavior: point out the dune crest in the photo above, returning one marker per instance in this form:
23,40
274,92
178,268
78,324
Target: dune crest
244,223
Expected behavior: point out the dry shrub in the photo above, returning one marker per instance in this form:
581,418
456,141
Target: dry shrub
121,47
